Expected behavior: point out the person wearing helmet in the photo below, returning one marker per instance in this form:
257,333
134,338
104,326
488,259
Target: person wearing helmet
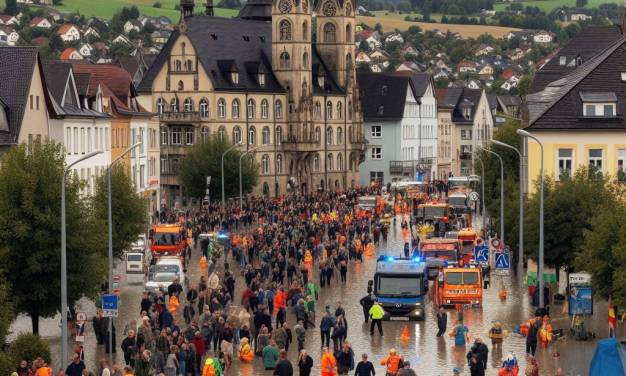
393,362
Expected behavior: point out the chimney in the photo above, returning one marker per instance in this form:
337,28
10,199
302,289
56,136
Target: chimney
209,8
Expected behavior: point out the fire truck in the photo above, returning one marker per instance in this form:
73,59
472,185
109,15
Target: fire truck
458,286
168,240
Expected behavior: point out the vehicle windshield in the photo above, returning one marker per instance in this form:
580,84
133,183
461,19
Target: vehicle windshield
434,211
165,268
167,239
442,254
462,278
457,201
134,256
164,277
399,286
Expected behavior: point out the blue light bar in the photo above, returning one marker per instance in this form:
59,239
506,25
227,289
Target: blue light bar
222,235
390,258
416,259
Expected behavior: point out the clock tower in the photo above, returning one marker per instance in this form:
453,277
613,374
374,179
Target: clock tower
335,38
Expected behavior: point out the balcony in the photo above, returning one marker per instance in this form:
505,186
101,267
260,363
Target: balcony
300,142
408,167
179,117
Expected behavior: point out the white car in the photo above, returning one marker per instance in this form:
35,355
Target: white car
164,272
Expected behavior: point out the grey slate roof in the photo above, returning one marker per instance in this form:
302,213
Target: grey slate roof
559,105
420,83
257,10
17,65
459,98
585,45
378,106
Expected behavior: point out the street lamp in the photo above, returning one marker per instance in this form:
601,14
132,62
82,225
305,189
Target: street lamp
64,352
223,155
482,186
520,251
501,192
110,219
523,133
240,173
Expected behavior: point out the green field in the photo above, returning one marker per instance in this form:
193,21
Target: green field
548,5
106,8
400,16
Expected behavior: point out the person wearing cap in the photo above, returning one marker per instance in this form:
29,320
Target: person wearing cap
376,313
393,362
406,370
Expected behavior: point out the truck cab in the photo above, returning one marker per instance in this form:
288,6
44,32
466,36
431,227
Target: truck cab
167,240
400,286
438,253
459,286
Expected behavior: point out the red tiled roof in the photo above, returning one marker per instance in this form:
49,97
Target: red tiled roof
36,20
440,92
40,41
65,28
67,53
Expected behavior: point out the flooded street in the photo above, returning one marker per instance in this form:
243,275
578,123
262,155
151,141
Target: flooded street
428,354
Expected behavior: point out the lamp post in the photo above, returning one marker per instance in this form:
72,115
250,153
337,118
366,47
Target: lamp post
110,239
64,347
223,155
240,173
523,133
520,250
501,191
482,187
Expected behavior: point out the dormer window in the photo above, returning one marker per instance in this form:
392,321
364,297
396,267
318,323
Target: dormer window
467,112
261,79
562,60
599,104
234,77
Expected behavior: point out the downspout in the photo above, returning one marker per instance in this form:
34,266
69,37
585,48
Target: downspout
275,144
247,122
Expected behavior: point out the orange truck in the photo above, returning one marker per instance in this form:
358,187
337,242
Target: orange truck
438,253
467,240
168,240
458,286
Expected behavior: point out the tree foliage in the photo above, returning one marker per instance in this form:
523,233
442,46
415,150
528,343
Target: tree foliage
29,347
128,209
30,232
205,160
7,311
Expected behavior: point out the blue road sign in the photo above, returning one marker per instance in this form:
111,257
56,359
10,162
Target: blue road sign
503,261
481,253
109,305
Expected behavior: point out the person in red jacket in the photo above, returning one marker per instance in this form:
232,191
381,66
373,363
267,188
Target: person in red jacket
198,342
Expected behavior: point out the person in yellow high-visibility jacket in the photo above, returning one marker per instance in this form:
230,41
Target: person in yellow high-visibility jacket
376,314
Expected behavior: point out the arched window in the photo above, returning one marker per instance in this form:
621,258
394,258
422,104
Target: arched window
279,164
178,65
285,60
350,134
189,65
251,109
235,109
204,107
352,161
237,135
305,31
329,162
279,135
181,85
266,136
348,33
316,162
205,134
251,136
329,110
264,109
285,30
329,136
221,108
350,110
266,189
188,105
221,133
161,106
318,135
349,60
318,110
174,105
330,32
265,164
339,110
339,162
182,47
278,110
305,60
339,136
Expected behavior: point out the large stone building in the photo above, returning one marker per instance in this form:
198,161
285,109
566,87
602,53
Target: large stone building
266,85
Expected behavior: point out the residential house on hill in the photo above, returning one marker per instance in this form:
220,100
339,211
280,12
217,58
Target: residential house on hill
70,53
8,20
69,32
543,37
8,35
132,25
40,22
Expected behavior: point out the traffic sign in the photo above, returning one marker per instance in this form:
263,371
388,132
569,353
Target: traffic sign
481,254
473,196
503,262
496,243
109,305
81,317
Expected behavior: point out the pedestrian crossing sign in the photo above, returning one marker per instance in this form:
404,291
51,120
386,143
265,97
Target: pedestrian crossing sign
503,262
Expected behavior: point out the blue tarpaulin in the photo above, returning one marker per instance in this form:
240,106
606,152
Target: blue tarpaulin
608,359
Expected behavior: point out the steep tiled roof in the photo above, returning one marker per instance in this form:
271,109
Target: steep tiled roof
67,53
382,95
65,28
17,65
257,10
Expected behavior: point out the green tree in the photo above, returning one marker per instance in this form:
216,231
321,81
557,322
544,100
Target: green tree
29,347
205,160
524,84
363,67
603,252
7,311
10,7
129,211
30,232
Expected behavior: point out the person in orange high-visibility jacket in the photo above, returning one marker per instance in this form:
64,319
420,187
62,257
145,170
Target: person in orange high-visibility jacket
545,332
246,354
358,245
392,362
280,300
308,258
398,209
405,208
173,305
369,249
328,364
203,265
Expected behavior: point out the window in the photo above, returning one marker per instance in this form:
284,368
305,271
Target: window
330,33
234,77
204,108
340,162
595,158
235,109
339,110
350,110
221,108
161,106
285,61
376,176
348,33
565,161
305,60
609,110
621,164
163,135
181,85
68,140
339,136
278,110
189,65
329,162
329,110
279,164
265,164
590,110
562,60
237,135
318,110
318,135
174,105
177,136
189,135
376,131
279,135
205,134
329,136
89,140
178,65
82,140
188,105
265,136
377,153
251,109
164,165
466,134
316,163
142,171
261,79
383,91
285,30
305,31
251,136
264,109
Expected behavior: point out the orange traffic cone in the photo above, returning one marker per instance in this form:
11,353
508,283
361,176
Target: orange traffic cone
406,335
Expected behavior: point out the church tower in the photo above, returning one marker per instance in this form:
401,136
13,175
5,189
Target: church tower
291,50
335,38
186,8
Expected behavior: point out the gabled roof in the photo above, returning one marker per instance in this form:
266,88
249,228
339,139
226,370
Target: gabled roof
17,65
67,53
65,28
457,99
382,95
36,20
257,10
